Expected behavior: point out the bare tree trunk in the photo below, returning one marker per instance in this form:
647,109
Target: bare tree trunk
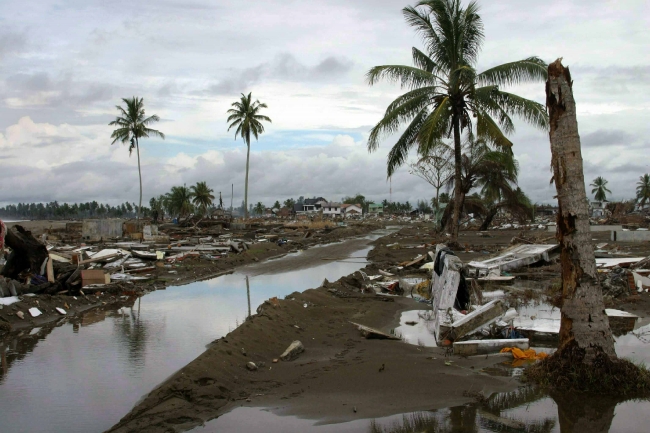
458,193
137,149
584,330
248,155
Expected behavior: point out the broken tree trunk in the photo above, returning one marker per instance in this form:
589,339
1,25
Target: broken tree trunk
27,253
584,330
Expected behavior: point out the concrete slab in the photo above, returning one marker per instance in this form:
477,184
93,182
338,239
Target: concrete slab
630,235
512,258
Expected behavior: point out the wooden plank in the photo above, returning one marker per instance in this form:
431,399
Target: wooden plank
49,269
369,333
94,276
100,259
417,260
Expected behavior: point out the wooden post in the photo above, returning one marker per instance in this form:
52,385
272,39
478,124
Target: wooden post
584,330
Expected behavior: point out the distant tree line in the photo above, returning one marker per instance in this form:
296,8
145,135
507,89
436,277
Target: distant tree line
56,210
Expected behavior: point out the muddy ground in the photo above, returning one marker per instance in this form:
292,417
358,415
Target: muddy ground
189,270
341,375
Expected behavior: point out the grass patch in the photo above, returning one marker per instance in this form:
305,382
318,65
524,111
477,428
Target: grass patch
566,371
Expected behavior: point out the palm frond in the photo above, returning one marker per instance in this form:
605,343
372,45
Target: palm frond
400,150
408,76
531,69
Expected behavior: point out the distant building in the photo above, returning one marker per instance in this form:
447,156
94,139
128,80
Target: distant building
332,209
376,208
597,208
309,206
350,210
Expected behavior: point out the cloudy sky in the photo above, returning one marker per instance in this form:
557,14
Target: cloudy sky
64,65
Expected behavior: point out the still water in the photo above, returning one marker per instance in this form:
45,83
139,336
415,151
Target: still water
84,375
523,410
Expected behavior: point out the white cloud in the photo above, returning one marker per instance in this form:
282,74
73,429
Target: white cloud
65,66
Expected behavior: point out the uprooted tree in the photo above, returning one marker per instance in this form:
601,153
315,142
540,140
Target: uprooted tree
586,358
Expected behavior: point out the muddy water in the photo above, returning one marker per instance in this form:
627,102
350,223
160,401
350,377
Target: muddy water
83,376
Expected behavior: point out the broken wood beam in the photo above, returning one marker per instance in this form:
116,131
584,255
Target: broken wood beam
371,333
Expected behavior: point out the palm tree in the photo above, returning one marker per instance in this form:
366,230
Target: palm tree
245,116
178,201
447,95
202,196
600,188
643,189
132,124
259,208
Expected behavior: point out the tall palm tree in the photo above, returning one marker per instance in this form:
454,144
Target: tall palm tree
245,116
446,94
202,196
643,189
600,188
132,124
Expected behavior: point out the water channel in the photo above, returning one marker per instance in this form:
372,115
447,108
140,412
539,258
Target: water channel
83,376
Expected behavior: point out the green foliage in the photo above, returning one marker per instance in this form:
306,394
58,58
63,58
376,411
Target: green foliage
600,188
276,205
359,199
259,208
246,118
178,201
133,124
289,203
56,210
643,189
202,196
444,89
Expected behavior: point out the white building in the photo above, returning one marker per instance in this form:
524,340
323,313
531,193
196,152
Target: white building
331,209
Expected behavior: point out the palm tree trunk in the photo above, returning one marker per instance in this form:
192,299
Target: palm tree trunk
248,155
137,149
584,331
488,218
458,193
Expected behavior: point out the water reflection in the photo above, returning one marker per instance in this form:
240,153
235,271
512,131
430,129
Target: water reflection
527,410
86,373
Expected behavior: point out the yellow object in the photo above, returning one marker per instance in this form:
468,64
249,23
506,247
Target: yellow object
528,355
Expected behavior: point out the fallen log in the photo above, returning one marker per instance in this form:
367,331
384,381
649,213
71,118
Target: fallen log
27,253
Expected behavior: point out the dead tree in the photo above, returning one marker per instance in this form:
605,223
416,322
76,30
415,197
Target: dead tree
585,326
27,253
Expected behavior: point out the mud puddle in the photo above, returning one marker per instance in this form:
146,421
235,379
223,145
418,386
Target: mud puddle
85,374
